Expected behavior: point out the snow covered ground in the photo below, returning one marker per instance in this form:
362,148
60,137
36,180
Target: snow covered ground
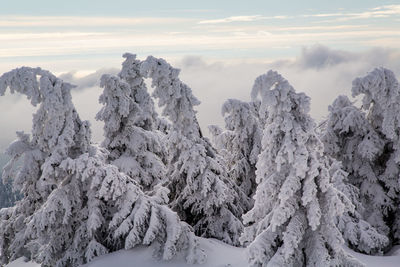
218,255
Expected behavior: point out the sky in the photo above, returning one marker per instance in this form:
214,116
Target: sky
220,46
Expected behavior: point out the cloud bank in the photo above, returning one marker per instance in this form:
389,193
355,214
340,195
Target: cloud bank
86,81
319,71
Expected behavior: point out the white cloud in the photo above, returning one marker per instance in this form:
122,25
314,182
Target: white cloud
89,43
85,21
320,72
241,19
232,19
86,81
377,12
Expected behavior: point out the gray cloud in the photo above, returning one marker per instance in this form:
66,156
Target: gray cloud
320,56
87,81
15,115
320,72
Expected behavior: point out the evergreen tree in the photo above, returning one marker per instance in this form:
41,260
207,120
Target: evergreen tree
130,121
381,97
75,206
358,234
351,139
293,219
201,192
239,143
57,133
371,141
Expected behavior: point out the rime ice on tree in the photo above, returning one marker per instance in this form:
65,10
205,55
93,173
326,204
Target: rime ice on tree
135,146
368,145
57,133
201,193
349,138
293,219
240,143
75,206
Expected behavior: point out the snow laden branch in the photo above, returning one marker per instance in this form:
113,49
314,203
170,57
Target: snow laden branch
239,143
350,138
57,133
367,141
293,219
200,189
130,126
75,205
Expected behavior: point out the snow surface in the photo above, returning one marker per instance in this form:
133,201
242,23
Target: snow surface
218,255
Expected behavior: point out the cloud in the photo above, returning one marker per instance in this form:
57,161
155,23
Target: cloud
65,44
377,12
319,56
85,21
232,19
86,81
11,120
240,19
319,71
27,37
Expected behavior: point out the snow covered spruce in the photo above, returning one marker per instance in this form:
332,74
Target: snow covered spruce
130,121
349,138
293,219
75,205
367,141
239,144
200,189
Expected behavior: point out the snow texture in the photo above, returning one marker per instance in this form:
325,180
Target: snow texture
219,255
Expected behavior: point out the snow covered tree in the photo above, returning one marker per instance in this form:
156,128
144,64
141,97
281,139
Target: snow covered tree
130,124
200,190
293,219
368,145
381,97
358,234
239,144
351,139
57,133
107,212
75,206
